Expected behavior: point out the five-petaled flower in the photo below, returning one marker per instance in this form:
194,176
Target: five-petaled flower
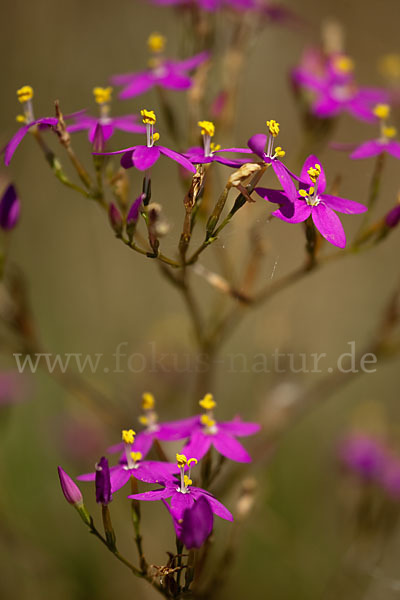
25,95
105,124
385,142
210,152
144,157
311,201
169,74
183,494
264,147
132,464
333,83
207,432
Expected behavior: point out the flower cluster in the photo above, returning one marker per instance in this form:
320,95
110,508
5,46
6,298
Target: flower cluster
191,508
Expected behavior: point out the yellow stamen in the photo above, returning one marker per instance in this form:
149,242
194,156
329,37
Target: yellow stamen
344,64
143,420
389,132
314,172
207,128
192,460
382,111
156,137
303,193
273,127
208,402
181,460
279,151
149,116
102,95
311,191
207,421
148,401
187,481
20,119
156,42
25,93
136,456
128,436
215,147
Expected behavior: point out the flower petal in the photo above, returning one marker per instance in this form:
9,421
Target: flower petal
21,133
191,63
177,158
180,502
301,212
228,446
216,506
285,179
153,495
257,144
198,445
154,471
342,205
393,148
138,84
197,523
329,225
119,477
367,149
143,157
239,427
175,81
309,163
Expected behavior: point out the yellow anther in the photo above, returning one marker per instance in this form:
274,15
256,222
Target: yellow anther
208,402
187,481
215,147
303,193
20,119
102,95
311,191
207,128
128,436
156,137
344,64
279,151
314,172
192,460
382,111
148,401
143,420
389,132
149,116
207,421
273,127
156,42
136,456
181,460
25,93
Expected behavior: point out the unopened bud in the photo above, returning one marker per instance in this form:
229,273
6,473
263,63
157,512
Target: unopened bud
103,482
243,174
115,219
9,208
69,488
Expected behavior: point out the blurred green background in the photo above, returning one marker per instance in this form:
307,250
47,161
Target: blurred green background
89,293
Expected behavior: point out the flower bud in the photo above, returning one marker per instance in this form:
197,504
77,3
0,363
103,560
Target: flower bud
69,488
98,139
115,219
393,217
9,208
103,482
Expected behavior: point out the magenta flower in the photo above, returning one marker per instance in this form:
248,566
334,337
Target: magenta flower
169,431
310,201
132,464
106,124
182,494
196,523
144,157
207,154
69,488
168,74
384,143
10,208
207,432
335,87
364,455
263,146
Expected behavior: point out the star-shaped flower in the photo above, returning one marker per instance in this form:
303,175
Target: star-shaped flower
210,152
311,201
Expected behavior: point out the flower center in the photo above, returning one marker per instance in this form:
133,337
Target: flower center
25,95
207,131
150,417
149,119
207,420
102,97
186,482
133,459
